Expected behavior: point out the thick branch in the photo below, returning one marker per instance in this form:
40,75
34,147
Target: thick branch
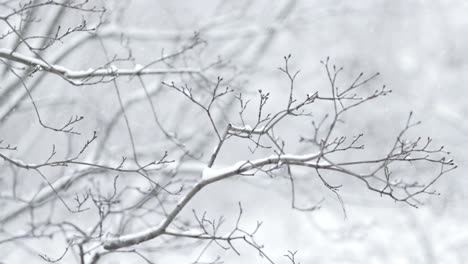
209,176
77,74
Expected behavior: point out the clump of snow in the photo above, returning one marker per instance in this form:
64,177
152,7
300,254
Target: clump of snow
113,68
59,68
209,173
138,67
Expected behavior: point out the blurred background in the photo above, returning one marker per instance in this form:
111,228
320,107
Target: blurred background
420,49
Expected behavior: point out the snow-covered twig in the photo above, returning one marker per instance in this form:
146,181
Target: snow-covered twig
40,65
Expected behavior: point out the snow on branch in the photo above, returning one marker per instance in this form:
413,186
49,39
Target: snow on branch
112,71
209,176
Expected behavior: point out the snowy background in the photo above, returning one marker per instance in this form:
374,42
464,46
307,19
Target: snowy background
420,49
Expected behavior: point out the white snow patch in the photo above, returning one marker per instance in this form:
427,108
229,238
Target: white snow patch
138,67
113,68
209,173
59,68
